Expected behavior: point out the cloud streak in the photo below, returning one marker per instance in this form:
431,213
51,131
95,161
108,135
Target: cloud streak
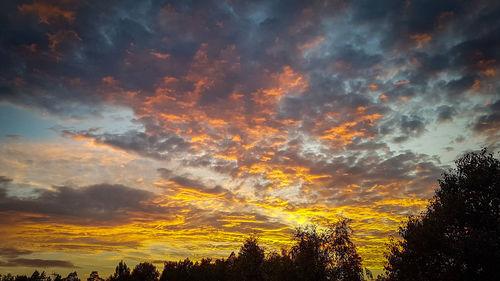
36,263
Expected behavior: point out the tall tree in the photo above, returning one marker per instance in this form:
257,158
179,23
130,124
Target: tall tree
72,276
279,267
122,273
326,255
178,271
145,271
250,260
346,260
310,255
7,277
94,276
458,236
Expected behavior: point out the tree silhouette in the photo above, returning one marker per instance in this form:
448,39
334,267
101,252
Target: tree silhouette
327,255
250,260
317,256
36,276
73,276
458,236
22,278
310,254
346,261
7,277
94,276
279,267
145,271
224,269
204,270
122,273
178,271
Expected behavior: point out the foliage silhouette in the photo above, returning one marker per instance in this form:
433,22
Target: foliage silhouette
327,255
182,271
279,267
73,276
458,236
250,260
145,271
122,273
94,276
316,256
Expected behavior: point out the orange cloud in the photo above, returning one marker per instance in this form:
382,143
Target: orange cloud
160,55
489,72
476,85
60,36
109,80
421,39
306,46
46,11
344,132
402,82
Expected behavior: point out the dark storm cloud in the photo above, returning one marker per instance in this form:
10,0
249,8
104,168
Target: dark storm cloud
229,221
118,40
188,181
358,59
58,61
4,179
72,243
445,113
55,62
458,37
405,17
412,125
40,263
101,202
10,252
457,86
327,94
195,184
411,173
207,160
490,120
164,172
161,145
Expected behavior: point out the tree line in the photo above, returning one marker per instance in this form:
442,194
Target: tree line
328,254
457,237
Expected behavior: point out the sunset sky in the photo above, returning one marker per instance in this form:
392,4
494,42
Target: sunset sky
160,130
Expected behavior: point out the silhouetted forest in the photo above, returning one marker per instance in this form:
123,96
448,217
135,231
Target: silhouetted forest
456,238
316,255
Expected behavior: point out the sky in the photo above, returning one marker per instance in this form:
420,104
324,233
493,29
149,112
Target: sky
160,130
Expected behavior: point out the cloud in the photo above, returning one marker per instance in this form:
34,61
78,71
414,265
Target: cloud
5,180
208,49
36,263
410,126
263,114
161,145
187,181
101,202
46,11
445,113
10,252
489,121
